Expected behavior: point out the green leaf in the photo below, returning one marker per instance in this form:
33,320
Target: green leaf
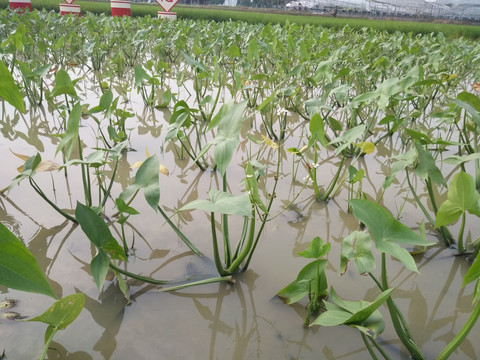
317,129
316,249
227,138
94,159
147,179
403,161
124,208
222,202
348,138
358,247
332,318
387,231
105,102
63,85
252,187
233,51
355,175
469,105
194,63
99,267
97,231
9,90
461,196
373,326
181,117
63,312
123,286
426,166
362,315
458,160
70,138
473,273
252,50
294,292
310,279
18,268
140,75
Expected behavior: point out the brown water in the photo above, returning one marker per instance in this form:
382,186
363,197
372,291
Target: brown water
215,321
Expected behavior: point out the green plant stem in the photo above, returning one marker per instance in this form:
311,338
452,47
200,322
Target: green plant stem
428,182
146,279
226,237
109,189
179,233
216,255
313,176
334,181
447,237
379,348
400,315
461,247
369,348
85,181
47,343
124,241
248,246
197,161
228,278
265,216
242,237
462,334
52,204
400,329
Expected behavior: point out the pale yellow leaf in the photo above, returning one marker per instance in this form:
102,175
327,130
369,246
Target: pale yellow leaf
47,166
163,169
43,166
136,165
23,157
269,142
366,146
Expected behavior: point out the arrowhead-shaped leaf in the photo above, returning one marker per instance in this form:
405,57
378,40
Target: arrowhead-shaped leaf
18,268
9,90
63,85
387,231
461,196
316,249
362,315
99,267
147,179
223,203
63,312
98,232
358,247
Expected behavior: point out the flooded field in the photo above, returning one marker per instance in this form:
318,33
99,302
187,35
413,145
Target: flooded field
255,105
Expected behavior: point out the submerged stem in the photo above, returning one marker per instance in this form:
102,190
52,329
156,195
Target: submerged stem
146,279
180,234
228,278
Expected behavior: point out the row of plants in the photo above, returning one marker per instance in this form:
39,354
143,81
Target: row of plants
271,16
305,96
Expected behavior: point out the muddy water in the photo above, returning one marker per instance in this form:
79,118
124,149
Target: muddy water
216,321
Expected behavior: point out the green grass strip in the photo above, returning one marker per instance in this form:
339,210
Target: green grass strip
255,16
